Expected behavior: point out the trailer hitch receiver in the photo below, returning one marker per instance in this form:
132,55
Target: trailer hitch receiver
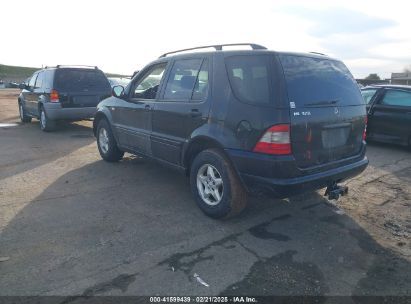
334,191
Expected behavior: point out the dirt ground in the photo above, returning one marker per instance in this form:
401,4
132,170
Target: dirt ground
71,224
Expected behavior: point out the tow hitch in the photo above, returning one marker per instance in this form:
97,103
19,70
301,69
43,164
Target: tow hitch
334,191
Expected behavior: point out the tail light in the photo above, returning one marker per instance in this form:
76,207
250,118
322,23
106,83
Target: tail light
276,140
54,96
364,134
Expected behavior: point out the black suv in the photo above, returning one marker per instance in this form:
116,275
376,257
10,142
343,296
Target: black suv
62,93
240,122
389,113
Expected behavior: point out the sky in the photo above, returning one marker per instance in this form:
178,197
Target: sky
122,36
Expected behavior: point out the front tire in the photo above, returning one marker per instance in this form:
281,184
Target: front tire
106,143
23,116
215,185
46,124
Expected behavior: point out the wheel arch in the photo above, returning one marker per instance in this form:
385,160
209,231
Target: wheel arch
97,118
103,113
39,106
197,145
20,100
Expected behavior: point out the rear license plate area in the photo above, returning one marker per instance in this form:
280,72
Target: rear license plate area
333,138
85,100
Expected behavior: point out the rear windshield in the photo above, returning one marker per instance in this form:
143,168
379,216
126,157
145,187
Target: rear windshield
319,82
250,78
80,80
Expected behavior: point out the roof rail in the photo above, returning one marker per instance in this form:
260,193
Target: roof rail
76,66
318,53
218,47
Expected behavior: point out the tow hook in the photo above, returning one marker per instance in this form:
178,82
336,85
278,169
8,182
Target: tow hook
334,191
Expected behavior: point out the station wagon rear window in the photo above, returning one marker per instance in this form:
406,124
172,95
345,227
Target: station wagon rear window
80,80
317,82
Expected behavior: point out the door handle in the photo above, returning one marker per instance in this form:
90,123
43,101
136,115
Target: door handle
195,113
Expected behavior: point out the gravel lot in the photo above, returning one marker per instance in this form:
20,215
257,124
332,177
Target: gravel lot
72,224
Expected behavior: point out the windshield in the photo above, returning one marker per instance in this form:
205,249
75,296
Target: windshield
119,81
80,80
319,82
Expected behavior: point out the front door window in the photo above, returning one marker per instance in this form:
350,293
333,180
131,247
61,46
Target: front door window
147,87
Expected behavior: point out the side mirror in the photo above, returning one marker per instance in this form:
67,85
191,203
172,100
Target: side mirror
118,91
22,86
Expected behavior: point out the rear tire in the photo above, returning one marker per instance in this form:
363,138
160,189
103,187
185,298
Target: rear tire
46,124
215,185
106,143
23,116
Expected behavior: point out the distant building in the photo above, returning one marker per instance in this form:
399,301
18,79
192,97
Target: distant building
401,78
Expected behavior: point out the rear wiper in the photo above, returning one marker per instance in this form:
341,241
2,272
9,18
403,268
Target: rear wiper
323,103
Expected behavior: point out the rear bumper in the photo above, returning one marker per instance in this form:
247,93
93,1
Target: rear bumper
56,112
291,185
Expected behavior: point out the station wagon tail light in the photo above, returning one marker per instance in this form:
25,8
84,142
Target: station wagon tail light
364,134
276,140
54,96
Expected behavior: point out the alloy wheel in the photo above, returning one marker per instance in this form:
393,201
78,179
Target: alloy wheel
210,185
103,140
21,111
43,120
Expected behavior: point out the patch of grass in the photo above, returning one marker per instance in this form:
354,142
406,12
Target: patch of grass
15,73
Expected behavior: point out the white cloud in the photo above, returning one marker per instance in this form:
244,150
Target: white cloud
361,67
123,36
396,50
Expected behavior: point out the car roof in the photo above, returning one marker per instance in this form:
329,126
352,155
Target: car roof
388,86
218,48
227,53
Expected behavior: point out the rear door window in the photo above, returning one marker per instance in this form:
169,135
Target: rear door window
81,80
397,98
319,82
368,95
182,79
250,78
201,86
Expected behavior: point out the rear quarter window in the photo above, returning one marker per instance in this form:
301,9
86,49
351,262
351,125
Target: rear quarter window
32,81
48,79
80,80
368,94
312,80
39,80
250,78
